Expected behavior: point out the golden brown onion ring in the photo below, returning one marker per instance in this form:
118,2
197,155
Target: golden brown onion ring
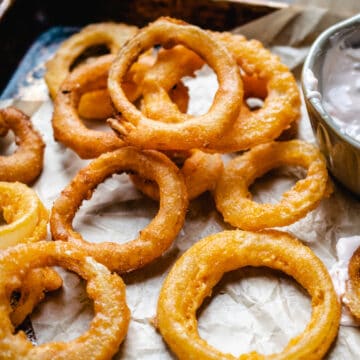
152,240
109,34
195,274
107,290
200,170
26,163
25,216
352,294
139,130
281,104
32,291
67,125
233,198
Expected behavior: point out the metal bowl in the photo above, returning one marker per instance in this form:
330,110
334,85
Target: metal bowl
342,152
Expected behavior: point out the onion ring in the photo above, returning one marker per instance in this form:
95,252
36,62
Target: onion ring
352,294
233,199
137,129
32,291
67,125
152,240
200,170
25,215
26,163
202,266
110,34
107,329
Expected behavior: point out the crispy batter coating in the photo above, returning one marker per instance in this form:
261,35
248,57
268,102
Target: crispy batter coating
139,130
26,163
155,238
109,34
68,127
194,275
265,77
109,325
233,198
200,170
32,291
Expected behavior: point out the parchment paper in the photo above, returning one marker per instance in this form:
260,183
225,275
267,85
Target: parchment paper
251,309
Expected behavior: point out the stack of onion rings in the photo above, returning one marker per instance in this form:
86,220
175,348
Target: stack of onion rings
88,79
198,132
26,163
110,323
202,266
233,199
152,240
264,77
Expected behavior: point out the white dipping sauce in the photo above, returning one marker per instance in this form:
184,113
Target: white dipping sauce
341,86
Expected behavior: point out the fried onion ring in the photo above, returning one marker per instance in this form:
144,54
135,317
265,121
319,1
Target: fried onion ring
352,294
32,291
261,71
200,170
67,125
25,215
110,34
107,329
152,240
26,163
137,129
202,266
233,199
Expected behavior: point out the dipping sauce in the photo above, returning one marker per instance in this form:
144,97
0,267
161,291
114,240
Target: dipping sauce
341,83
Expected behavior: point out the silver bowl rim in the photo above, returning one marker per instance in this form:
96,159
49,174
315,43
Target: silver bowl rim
309,64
